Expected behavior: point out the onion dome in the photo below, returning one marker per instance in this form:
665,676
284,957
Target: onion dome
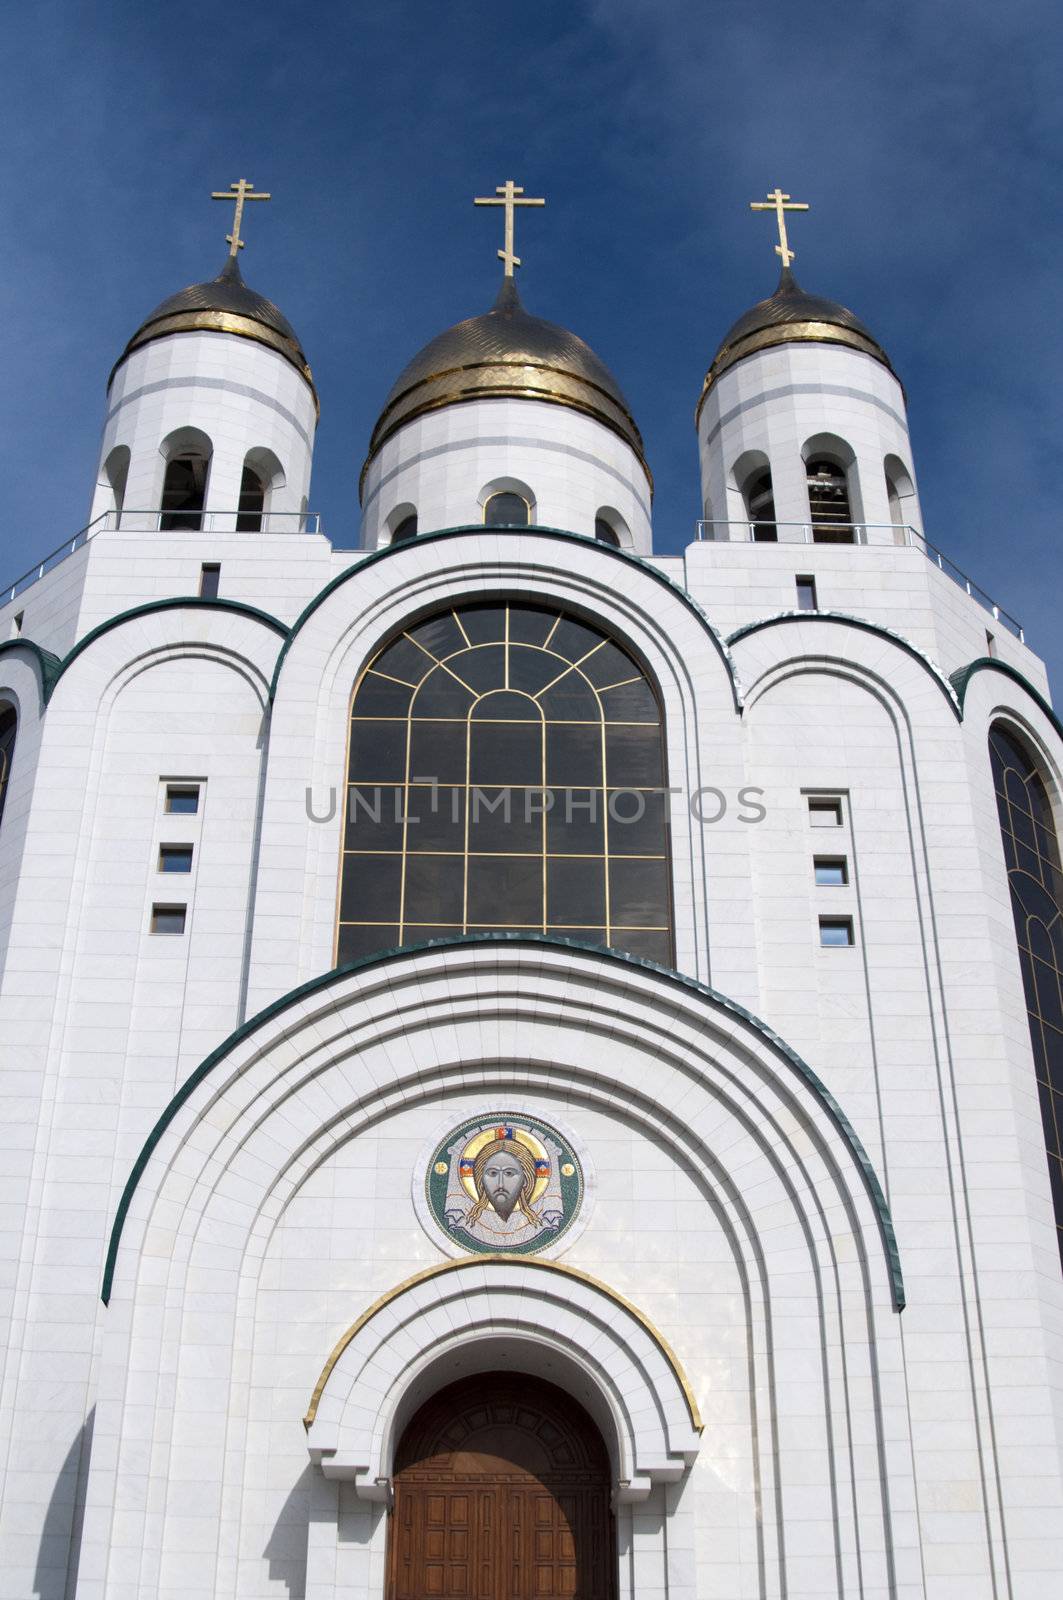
507,352
790,316
224,305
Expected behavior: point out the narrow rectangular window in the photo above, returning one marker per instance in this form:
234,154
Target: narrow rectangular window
806,593
832,872
825,811
16,626
209,580
990,644
182,799
168,919
175,858
835,931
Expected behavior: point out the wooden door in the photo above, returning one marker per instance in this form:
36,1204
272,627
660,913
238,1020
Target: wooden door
502,1487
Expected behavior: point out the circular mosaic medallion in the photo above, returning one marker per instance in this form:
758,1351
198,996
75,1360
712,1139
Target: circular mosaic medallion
504,1181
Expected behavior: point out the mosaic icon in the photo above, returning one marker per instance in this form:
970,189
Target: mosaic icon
504,1182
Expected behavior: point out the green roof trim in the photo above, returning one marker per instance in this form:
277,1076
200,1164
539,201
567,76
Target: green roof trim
962,678
540,533
619,957
864,626
177,603
48,665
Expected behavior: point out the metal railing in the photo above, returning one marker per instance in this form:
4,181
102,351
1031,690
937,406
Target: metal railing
163,522
856,533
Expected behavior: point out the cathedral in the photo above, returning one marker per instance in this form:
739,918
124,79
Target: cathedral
532,1069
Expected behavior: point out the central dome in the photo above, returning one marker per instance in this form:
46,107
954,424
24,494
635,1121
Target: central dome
507,353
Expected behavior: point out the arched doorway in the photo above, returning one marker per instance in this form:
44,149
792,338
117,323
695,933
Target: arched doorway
502,1492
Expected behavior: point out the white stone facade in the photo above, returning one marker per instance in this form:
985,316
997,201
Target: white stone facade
816,1309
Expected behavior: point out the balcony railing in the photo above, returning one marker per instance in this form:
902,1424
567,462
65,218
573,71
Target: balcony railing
856,533
164,522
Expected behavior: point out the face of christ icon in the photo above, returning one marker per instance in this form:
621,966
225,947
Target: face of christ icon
504,1174
503,1183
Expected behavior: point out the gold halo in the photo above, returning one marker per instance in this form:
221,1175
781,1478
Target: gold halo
521,1136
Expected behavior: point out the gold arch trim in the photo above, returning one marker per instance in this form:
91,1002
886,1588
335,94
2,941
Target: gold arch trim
465,1262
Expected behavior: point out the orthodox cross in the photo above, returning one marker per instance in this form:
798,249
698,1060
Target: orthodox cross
511,197
780,203
243,189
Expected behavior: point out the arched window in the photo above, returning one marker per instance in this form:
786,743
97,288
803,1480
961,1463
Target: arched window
605,533
406,529
506,773
115,476
507,510
252,501
828,502
900,494
760,507
1031,850
8,730
184,490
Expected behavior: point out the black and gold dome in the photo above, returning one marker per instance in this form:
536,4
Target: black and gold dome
225,304
790,316
507,353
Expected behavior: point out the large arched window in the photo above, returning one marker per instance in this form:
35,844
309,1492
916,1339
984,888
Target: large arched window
506,773
8,730
1031,850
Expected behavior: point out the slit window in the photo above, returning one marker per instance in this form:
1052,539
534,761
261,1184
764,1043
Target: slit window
825,811
209,580
836,932
806,594
832,872
182,799
175,858
168,919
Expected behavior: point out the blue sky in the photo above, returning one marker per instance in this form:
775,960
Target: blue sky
926,136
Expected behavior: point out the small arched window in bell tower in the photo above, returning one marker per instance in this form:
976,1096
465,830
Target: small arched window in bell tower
605,533
828,502
406,529
184,492
507,510
760,507
252,501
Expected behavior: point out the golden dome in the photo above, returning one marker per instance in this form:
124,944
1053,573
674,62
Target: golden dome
507,352
791,316
224,304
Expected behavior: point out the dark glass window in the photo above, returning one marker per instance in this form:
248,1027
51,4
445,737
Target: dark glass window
506,772
828,502
835,931
407,529
182,798
605,533
184,490
209,580
8,730
507,510
832,872
168,919
175,858
806,594
1031,850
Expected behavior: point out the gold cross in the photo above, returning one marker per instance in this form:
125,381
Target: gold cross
511,198
243,189
780,203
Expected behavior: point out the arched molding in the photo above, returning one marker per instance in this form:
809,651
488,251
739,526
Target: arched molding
963,678
209,626
389,591
470,1313
43,669
786,1189
801,638
508,485
397,516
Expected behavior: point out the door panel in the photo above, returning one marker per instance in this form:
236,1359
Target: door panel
502,1491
